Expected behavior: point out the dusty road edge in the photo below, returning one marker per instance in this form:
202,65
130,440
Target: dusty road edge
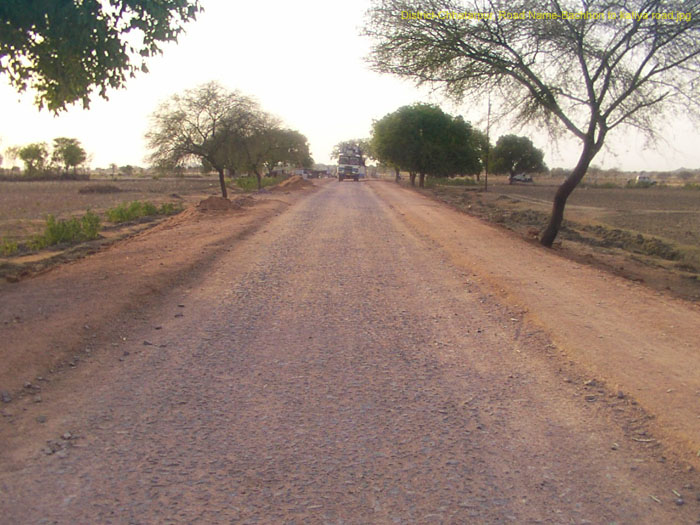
668,395
37,348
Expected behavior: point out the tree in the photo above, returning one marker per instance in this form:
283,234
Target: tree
289,147
34,156
68,152
256,145
424,140
388,142
514,154
202,124
590,68
66,49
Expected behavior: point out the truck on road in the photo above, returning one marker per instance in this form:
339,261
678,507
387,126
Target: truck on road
351,164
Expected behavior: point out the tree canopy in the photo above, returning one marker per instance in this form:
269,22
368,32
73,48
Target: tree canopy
264,144
513,154
424,140
224,130
66,49
200,124
34,156
566,65
68,152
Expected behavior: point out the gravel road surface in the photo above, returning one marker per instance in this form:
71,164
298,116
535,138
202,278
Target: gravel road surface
335,367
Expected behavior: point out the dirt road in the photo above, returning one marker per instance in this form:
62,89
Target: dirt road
342,365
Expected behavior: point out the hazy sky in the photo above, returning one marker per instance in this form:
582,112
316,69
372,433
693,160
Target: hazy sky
304,62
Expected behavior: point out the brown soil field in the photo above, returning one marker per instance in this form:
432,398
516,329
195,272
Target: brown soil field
25,205
647,235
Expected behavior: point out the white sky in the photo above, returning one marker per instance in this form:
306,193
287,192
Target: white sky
304,62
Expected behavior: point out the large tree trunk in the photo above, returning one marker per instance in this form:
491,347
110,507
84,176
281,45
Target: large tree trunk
413,178
421,180
398,175
222,182
555,220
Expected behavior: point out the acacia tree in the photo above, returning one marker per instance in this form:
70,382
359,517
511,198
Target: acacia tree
514,154
68,152
586,75
201,124
66,49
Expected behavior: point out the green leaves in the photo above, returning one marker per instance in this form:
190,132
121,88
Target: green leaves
67,49
423,139
513,154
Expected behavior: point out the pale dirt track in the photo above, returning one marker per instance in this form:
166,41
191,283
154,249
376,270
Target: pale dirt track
342,365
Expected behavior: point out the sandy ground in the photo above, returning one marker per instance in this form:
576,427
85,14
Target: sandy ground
354,354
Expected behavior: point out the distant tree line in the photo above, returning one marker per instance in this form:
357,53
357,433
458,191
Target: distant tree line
423,140
63,157
224,130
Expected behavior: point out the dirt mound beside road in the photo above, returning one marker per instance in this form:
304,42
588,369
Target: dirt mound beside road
216,204
295,182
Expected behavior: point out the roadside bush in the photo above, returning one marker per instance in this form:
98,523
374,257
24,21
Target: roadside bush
69,231
8,247
250,182
136,209
691,186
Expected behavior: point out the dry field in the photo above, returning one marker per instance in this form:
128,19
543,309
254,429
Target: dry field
25,205
671,213
650,235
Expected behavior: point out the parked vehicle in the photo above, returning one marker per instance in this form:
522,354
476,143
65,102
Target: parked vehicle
644,179
520,177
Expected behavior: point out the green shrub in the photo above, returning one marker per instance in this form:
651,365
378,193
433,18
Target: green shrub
691,186
70,231
250,182
8,247
91,225
134,210
169,208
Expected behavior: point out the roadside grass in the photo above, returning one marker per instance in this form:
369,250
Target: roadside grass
8,247
137,209
68,231
250,183
86,228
